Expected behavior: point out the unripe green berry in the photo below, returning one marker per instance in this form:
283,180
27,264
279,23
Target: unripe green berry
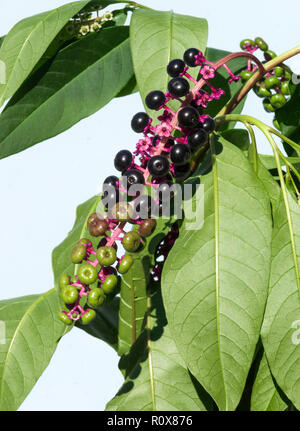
87,274
64,318
279,72
125,264
268,106
246,75
87,317
96,297
272,82
287,74
246,42
109,284
69,294
78,254
64,280
261,44
263,92
131,241
285,88
269,55
106,255
278,101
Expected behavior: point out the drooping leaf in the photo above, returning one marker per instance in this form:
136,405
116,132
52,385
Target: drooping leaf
280,331
130,88
265,396
221,81
28,40
157,378
133,295
237,137
32,332
156,38
215,280
82,78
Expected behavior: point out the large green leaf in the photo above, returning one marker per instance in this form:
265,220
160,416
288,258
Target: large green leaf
157,378
265,396
288,117
82,78
32,332
25,44
281,322
133,295
215,280
156,38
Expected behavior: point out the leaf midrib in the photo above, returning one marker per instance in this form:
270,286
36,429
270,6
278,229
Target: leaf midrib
61,89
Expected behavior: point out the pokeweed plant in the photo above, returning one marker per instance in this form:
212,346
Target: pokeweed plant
203,317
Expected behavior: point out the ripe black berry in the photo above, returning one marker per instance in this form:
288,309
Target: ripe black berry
158,166
123,160
155,99
112,180
209,125
178,87
139,122
197,138
133,177
188,117
155,140
181,172
189,56
175,67
180,154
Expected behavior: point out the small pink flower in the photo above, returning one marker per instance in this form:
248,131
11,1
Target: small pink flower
166,116
207,72
200,59
164,129
234,79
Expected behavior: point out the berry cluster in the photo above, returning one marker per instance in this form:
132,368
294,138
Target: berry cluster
274,86
163,156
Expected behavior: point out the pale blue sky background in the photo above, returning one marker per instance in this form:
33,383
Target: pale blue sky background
40,189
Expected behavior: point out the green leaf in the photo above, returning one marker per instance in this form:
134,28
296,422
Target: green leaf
130,88
25,44
1,40
32,333
82,78
157,378
280,331
215,280
237,137
265,396
156,38
288,116
221,81
270,163
133,295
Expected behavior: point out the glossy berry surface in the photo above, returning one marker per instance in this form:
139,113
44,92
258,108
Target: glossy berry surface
96,225
158,166
106,255
188,117
78,254
69,294
88,317
178,87
285,88
131,241
180,154
96,297
87,274
110,284
133,177
64,280
189,56
272,82
197,139
123,160
155,99
175,67
269,55
209,125
125,264
278,101
139,122
246,42
112,181
262,91
147,227
246,75
64,318
261,44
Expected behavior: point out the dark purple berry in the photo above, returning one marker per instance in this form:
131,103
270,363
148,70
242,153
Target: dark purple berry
158,166
178,87
196,139
139,122
209,125
155,99
180,154
110,196
189,56
133,177
112,180
155,140
175,67
123,160
188,117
